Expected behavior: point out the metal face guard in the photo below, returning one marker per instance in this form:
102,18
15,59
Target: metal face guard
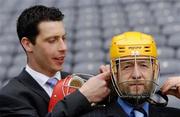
135,78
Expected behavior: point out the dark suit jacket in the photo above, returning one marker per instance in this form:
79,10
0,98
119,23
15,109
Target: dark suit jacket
115,110
24,97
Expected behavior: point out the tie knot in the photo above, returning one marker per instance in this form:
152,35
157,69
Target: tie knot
52,82
139,112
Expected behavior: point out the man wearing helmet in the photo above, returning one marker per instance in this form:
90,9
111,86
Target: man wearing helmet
135,69
134,66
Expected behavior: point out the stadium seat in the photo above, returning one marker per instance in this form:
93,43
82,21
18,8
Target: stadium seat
108,32
108,2
174,40
87,44
83,3
87,67
14,71
169,29
178,53
160,39
169,66
87,33
166,52
3,71
89,56
65,4
150,29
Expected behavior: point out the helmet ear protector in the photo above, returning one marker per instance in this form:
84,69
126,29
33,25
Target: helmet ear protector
129,52
67,86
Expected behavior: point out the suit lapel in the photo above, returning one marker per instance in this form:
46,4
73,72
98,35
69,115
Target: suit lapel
29,82
115,110
153,112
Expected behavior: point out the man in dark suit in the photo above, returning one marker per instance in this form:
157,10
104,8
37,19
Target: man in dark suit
135,69
42,35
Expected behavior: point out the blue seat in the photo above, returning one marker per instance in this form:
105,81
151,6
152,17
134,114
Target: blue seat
68,58
166,52
88,33
161,4
7,48
140,17
83,3
67,67
20,59
108,32
130,1
88,17
174,40
161,40
112,16
165,16
5,60
14,71
69,21
65,3
87,67
178,53
169,29
89,56
169,66
108,2
88,44
3,71
137,6
150,29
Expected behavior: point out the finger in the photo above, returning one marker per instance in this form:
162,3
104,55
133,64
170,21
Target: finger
172,92
167,85
104,75
104,68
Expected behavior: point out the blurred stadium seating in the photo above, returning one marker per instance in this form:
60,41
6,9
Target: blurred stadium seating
90,24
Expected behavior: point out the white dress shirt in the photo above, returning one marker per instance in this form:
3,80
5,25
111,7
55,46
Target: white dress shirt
41,79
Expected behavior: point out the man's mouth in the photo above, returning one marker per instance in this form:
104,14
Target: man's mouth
138,84
59,60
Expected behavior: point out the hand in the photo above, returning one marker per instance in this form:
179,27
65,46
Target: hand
104,68
172,87
96,88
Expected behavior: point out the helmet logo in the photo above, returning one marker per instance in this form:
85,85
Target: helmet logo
135,53
136,47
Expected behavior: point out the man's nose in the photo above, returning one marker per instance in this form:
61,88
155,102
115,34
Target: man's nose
136,74
62,45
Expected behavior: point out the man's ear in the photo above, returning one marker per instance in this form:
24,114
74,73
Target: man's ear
27,45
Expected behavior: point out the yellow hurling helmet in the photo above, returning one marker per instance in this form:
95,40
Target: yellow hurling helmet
131,43
129,52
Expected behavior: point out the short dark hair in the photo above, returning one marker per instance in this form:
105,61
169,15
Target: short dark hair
28,21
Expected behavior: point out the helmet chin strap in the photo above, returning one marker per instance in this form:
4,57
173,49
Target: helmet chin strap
135,100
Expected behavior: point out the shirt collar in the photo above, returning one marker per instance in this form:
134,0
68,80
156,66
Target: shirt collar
39,77
128,108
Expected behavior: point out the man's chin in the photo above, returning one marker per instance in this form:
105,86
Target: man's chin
58,68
